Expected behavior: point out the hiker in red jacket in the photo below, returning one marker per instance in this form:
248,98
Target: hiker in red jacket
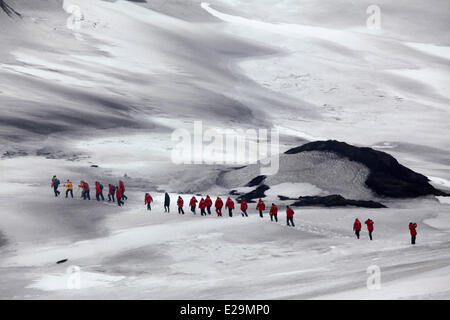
290,216
218,204
86,191
208,203
111,192
202,206
244,207
180,203
412,230
357,227
99,191
122,188
148,200
193,203
230,205
261,206
273,212
369,223
119,196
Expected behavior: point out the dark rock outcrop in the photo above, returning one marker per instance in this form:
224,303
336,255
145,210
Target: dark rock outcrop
254,194
8,9
387,177
335,200
256,181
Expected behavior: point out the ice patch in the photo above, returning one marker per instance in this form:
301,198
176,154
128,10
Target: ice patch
293,190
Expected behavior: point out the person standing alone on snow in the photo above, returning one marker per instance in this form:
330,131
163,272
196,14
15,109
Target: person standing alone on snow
230,205
273,212
99,191
244,207
370,224
261,206
166,202
148,200
412,230
218,204
202,206
55,185
119,196
357,227
180,203
290,216
69,187
193,204
111,191
208,203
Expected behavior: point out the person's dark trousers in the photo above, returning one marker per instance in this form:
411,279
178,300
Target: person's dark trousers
87,194
149,207
99,195
166,209
67,192
291,220
111,197
55,189
370,234
244,212
124,197
273,217
209,209
413,239
357,233
230,212
219,211
203,212
260,214
83,195
180,210
120,202
193,209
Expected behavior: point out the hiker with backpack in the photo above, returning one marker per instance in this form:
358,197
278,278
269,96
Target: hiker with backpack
180,203
261,206
99,191
244,207
290,216
148,200
369,223
413,232
202,206
119,196
218,204
166,202
69,189
122,190
193,204
208,203
357,227
230,205
273,212
55,185
111,192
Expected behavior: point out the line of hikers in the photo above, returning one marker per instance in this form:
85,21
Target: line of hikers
114,192
204,205
369,222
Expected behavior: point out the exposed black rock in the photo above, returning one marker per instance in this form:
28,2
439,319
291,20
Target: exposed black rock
386,178
254,194
335,200
8,9
256,181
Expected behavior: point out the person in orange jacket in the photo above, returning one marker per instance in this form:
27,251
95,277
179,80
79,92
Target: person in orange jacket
69,187
273,212
261,206
230,205
244,207
148,200
202,206
208,203
218,204
370,224
193,204
290,216
412,230
180,203
357,227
